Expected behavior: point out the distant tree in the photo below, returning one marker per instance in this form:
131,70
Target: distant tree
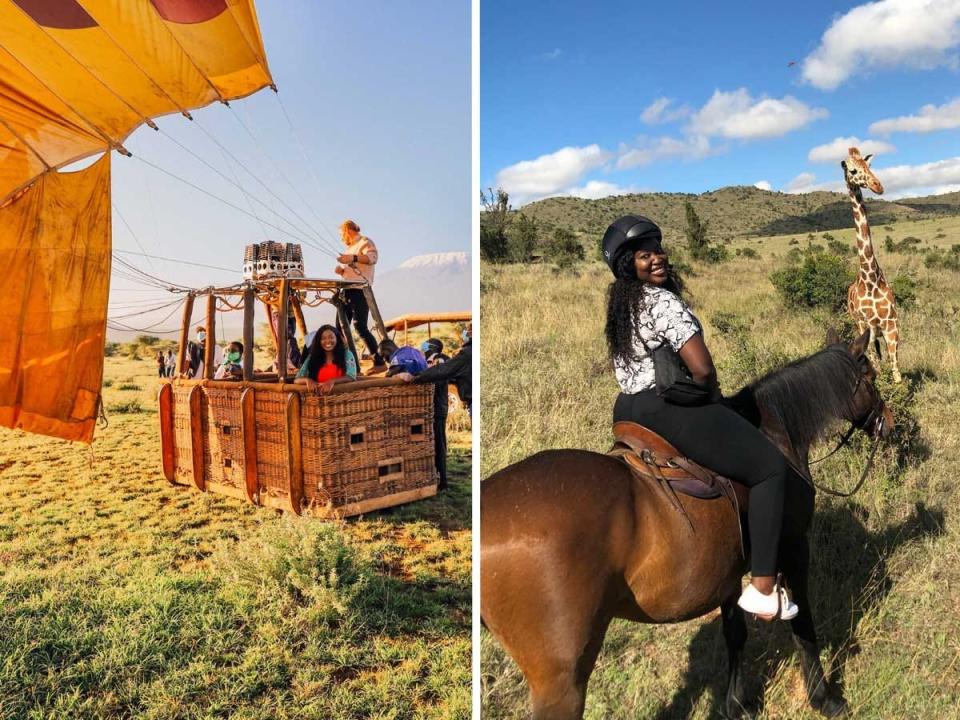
522,238
494,222
564,249
696,232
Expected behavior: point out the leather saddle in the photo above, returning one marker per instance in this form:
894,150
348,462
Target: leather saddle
651,457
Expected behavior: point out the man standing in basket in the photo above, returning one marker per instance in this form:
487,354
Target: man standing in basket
356,263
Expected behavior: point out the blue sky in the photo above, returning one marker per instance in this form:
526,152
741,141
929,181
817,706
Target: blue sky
379,95
594,99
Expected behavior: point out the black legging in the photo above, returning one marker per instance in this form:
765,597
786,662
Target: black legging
357,312
716,437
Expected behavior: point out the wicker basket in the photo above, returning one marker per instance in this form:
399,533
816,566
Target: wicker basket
368,445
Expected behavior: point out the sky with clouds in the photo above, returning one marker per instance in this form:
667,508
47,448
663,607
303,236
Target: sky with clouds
604,98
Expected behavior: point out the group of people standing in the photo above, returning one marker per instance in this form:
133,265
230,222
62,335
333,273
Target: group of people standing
166,363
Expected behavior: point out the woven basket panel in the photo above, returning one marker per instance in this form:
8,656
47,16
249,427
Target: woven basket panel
183,470
224,455
270,411
337,472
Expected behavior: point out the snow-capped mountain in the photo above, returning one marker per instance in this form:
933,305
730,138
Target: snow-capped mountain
437,282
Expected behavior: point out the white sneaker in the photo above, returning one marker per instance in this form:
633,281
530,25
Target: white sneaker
766,606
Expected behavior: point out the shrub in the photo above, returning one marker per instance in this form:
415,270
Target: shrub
821,280
128,386
564,249
747,252
522,239
793,241
904,290
131,407
943,259
838,247
111,349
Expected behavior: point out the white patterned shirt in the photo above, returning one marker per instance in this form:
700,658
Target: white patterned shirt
662,318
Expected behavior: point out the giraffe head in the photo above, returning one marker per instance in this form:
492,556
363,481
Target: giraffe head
857,172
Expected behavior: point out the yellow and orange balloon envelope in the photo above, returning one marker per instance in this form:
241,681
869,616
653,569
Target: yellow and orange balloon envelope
76,78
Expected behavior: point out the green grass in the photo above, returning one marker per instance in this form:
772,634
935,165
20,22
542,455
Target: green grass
122,596
886,573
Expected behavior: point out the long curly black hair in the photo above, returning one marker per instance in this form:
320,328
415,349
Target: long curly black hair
625,297
318,358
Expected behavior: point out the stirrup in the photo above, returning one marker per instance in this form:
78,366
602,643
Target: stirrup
775,606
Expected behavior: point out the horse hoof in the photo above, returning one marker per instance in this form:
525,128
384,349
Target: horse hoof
832,707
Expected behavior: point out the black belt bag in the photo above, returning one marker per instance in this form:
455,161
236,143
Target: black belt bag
673,381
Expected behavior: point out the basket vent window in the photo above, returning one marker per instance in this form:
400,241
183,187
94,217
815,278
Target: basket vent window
416,429
390,469
226,429
357,437
227,462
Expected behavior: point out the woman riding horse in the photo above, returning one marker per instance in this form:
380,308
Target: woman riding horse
571,539
645,310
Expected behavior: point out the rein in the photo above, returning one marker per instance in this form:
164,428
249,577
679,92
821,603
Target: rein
876,419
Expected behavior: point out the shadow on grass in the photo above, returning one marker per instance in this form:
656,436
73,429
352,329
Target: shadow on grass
848,579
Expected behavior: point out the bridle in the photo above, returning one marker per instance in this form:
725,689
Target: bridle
873,424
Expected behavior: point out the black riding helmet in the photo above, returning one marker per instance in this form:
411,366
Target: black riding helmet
629,233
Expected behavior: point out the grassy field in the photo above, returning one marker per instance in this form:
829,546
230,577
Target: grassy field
124,597
886,574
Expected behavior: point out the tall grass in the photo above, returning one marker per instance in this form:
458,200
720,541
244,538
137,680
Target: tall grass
886,571
122,596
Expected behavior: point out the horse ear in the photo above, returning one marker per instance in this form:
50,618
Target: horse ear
859,346
832,337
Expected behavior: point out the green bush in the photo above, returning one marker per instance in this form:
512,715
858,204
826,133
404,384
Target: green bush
747,252
904,290
943,259
907,245
128,386
838,247
563,249
819,281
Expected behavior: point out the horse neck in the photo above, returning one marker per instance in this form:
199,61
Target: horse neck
793,407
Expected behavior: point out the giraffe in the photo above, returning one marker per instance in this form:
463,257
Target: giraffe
869,299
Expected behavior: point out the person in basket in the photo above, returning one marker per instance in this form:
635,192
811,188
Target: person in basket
328,362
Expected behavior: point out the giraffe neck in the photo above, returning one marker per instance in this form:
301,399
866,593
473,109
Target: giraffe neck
868,259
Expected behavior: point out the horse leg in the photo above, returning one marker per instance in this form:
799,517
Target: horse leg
796,565
735,635
558,684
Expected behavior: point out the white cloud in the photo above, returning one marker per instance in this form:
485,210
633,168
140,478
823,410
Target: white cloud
763,185
921,34
596,189
933,178
550,174
839,148
737,115
689,148
807,182
658,112
930,118
551,55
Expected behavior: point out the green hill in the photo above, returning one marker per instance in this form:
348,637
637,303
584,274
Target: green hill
734,212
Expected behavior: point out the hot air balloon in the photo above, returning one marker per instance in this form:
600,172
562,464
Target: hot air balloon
77,77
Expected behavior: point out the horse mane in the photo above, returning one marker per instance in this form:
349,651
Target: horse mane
806,394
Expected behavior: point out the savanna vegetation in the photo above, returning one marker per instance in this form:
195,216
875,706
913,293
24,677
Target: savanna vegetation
122,596
886,569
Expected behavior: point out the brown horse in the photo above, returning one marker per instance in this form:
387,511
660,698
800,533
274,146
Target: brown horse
570,540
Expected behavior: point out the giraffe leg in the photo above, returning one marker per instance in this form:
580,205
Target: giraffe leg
892,337
872,351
